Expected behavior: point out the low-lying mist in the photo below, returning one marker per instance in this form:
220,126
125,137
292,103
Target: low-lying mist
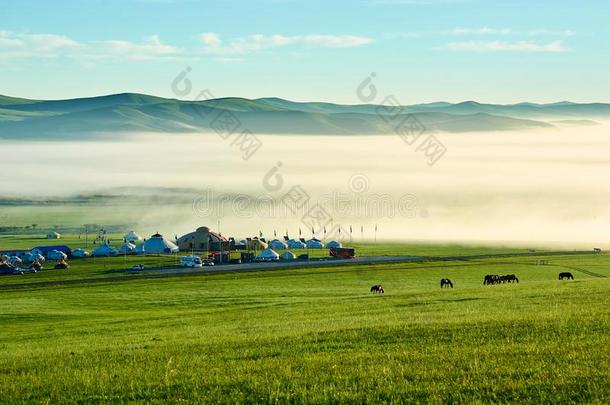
541,187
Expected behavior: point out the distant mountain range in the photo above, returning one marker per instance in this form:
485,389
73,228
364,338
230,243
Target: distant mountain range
130,113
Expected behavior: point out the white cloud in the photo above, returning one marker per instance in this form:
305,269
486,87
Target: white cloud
503,46
150,48
481,31
258,42
36,46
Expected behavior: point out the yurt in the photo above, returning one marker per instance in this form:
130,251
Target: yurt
268,255
256,244
53,235
277,244
157,245
33,257
127,248
56,255
287,255
296,244
15,261
333,244
203,239
315,244
80,253
105,250
132,237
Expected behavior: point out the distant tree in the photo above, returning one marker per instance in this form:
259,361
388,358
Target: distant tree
33,226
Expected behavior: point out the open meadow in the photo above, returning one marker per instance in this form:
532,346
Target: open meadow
313,335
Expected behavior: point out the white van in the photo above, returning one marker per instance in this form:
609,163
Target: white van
191,261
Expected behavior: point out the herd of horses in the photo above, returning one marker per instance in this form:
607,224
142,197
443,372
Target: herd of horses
489,279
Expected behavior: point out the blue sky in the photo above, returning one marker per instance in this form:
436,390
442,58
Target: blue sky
420,50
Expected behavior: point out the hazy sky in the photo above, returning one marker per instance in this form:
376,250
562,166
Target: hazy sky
421,50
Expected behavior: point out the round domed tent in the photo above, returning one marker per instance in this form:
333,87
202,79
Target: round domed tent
296,244
31,257
80,253
127,248
256,244
156,245
56,255
105,250
333,244
268,255
315,244
132,237
277,244
287,255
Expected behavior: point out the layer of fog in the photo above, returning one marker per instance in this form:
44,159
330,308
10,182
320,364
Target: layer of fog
548,186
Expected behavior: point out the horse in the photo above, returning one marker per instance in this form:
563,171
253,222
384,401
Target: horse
377,289
491,279
446,282
511,278
597,250
567,275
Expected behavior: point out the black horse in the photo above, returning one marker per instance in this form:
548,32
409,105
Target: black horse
567,275
446,282
491,279
377,289
510,278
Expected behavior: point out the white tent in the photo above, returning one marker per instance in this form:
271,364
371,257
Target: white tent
268,255
314,244
105,250
31,257
156,245
277,244
127,248
288,256
80,253
132,237
296,244
333,244
15,261
53,235
56,255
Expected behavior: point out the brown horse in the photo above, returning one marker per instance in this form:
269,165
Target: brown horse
567,275
446,282
377,289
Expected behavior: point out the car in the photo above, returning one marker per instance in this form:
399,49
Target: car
208,262
137,267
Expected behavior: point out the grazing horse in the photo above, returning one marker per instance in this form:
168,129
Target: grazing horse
491,279
567,275
377,289
446,282
597,250
511,278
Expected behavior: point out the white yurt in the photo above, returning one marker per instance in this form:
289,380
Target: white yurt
56,255
105,250
53,235
333,244
287,255
277,244
268,255
157,245
31,257
315,244
15,261
132,237
296,244
256,244
127,248
80,253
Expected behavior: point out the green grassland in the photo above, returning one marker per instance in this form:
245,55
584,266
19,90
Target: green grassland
313,335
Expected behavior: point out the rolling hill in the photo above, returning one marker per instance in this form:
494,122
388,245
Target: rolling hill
132,113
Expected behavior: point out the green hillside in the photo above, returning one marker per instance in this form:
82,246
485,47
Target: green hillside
129,113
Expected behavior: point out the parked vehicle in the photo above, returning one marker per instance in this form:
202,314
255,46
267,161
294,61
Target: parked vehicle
208,262
137,267
191,261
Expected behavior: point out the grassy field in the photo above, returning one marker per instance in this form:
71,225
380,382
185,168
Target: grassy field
315,336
